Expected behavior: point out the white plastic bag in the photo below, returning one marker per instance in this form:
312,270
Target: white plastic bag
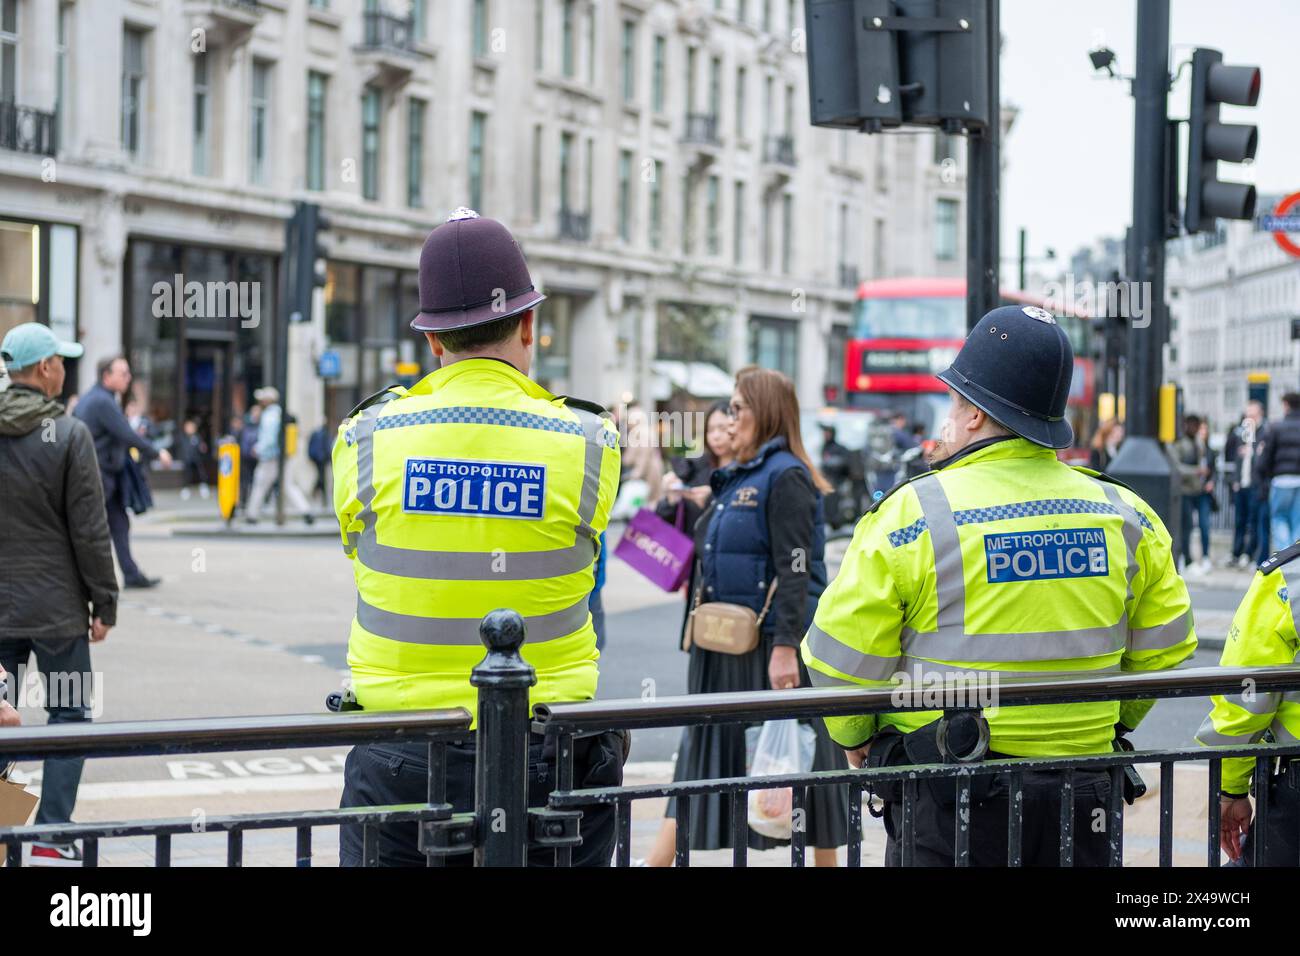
632,495
784,746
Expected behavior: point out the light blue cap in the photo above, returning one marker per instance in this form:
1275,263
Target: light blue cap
30,342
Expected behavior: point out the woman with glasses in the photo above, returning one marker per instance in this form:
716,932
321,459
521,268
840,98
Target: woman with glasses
764,524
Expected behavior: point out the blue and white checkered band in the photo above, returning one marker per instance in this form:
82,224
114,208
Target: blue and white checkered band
1042,315
462,212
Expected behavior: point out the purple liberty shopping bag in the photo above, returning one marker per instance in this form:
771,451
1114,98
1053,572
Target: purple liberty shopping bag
656,549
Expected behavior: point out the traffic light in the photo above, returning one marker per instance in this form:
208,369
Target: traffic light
302,250
877,64
1209,141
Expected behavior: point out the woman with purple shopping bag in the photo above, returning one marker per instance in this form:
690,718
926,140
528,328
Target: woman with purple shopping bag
759,542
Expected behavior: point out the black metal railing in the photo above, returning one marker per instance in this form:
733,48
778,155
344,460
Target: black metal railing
848,276
575,225
387,31
209,735
701,129
779,150
502,739
246,6
27,130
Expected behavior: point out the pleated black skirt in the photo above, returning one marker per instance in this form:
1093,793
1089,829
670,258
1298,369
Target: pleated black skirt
713,752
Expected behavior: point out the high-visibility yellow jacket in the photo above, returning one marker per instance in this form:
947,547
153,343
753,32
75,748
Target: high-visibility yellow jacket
1263,632
1003,563
473,490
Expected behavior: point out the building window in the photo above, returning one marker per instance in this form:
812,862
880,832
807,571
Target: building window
769,95
415,153
738,225
370,108
569,12
591,45
657,81
656,207
202,114
477,134
878,248
259,108
8,51
566,171
539,34
742,80
133,90
787,232
945,229
712,238
766,237
742,11
419,20
789,110
715,88
629,61
767,16
62,83
315,131
774,344
791,14
480,28
688,214
537,173
625,195
692,56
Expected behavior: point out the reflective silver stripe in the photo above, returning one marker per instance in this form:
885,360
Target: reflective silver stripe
1162,635
847,660
953,645
1281,734
1292,696
1210,737
1264,703
819,679
1295,618
950,579
1132,532
478,565
411,629
917,669
350,545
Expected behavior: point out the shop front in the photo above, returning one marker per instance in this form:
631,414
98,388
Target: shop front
38,280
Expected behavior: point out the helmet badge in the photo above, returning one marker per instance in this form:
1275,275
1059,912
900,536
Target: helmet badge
1042,315
462,212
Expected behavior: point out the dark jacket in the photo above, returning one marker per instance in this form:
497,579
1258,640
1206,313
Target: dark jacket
1239,454
113,434
1280,454
55,556
766,521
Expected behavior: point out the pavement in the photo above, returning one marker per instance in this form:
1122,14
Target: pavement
256,623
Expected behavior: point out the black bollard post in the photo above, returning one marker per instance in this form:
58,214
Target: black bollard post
501,762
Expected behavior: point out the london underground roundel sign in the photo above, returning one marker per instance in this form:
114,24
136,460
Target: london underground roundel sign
1283,224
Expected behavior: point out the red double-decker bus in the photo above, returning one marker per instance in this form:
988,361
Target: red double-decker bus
906,331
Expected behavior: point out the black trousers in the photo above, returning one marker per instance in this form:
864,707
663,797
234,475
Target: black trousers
64,664
935,821
1282,848
119,525
386,774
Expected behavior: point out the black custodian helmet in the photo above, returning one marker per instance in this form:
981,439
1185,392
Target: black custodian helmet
1016,366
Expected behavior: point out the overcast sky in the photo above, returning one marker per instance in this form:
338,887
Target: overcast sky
1068,161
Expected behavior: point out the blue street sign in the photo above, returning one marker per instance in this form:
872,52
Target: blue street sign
329,365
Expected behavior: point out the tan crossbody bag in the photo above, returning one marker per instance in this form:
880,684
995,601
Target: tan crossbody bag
725,628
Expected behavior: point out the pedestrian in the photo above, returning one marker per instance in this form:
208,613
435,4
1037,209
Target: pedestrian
955,571
1196,470
760,545
1239,452
685,490
101,410
318,450
248,453
267,469
642,462
1279,472
1105,444
9,717
1263,633
515,486
58,589
193,453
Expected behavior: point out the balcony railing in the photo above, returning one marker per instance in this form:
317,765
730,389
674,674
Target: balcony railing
386,31
701,128
575,225
247,6
779,150
27,130
848,276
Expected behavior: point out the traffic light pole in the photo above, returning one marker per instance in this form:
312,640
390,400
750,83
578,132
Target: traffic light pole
1142,462
983,190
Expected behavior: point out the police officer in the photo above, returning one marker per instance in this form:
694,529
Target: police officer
1004,562
1263,632
472,490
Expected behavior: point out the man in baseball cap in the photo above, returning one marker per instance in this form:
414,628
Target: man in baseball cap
475,489
27,344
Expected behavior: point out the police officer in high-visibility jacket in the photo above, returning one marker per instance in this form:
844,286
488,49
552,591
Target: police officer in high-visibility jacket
1263,633
474,489
1001,562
